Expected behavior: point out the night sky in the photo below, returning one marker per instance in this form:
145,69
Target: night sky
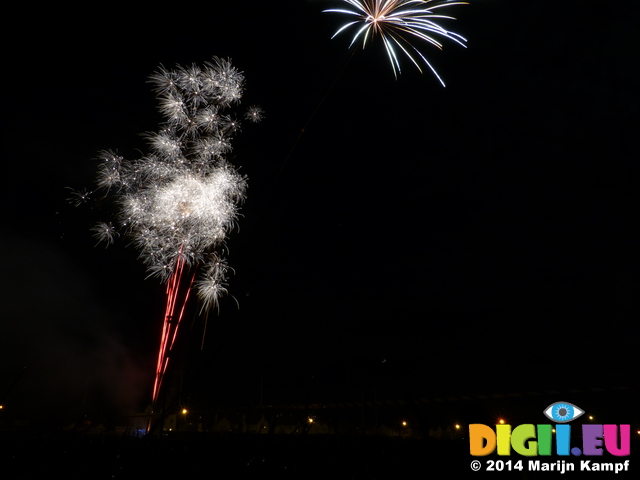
481,237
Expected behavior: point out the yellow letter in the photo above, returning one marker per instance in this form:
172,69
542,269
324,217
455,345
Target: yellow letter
504,439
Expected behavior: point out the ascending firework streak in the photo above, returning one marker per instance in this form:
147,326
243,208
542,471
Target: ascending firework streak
398,22
179,202
172,319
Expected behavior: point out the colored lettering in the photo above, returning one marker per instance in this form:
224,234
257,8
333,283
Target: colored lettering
592,439
532,440
563,439
544,439
523,435
611,437
504,439
478,434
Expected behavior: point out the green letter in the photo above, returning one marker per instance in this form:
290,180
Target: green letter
519,438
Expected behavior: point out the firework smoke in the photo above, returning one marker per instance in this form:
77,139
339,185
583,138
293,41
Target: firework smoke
178,203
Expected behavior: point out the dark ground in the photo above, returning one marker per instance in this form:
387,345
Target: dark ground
256,457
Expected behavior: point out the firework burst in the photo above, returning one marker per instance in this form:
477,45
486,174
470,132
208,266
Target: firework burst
398,22
178,203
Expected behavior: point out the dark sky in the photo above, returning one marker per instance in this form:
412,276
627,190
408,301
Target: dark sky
478,237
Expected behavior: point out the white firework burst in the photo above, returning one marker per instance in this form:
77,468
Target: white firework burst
165,143
212,285
254,114
78,197
179,203
398,22
104,232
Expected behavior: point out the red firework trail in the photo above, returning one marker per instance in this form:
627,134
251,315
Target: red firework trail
172,319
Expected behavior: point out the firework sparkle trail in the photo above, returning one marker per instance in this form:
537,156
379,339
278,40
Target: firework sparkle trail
178,203
397,22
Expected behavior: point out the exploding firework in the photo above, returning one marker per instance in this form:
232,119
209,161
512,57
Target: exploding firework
178,203
398,22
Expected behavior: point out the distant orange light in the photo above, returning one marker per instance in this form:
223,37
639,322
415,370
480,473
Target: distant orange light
184,411
501,422
404,424
457,426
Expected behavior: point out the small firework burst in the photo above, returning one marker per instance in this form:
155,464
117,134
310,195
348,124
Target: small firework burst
104,232
398,22
78,197
254,114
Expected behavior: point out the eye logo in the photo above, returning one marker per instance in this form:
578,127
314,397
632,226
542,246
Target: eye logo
562,412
